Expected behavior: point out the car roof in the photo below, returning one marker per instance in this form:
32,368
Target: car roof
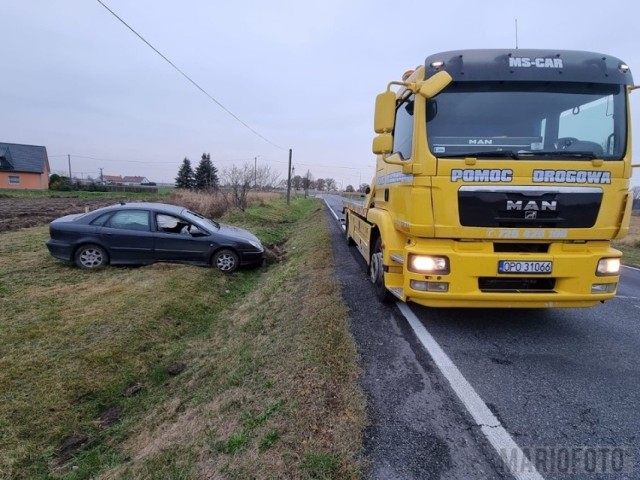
166,207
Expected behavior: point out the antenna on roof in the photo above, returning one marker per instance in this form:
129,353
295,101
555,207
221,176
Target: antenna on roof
516,33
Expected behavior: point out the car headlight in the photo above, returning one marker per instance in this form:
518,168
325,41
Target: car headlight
608,266
257,244
428,264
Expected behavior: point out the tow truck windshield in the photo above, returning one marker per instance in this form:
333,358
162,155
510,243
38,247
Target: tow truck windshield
525,120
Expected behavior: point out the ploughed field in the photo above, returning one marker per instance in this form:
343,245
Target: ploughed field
18,213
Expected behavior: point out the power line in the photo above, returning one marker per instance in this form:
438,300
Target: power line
188,78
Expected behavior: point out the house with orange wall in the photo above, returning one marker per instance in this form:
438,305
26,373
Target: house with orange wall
24,167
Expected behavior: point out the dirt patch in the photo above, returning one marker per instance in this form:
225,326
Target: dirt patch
18,213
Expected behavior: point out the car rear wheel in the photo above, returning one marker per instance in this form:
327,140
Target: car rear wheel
91,256
226,260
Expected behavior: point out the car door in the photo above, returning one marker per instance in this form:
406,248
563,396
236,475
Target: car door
175,241
129,237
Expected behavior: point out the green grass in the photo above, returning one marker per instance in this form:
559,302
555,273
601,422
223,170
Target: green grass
320,465
269,384
630,254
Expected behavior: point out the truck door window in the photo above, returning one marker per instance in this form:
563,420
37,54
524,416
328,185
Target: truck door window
590,123
403,131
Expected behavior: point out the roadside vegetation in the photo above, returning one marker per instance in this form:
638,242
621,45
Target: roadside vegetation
630,245
180,372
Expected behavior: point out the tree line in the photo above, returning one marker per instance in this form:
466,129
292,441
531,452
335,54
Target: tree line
204,177
250,177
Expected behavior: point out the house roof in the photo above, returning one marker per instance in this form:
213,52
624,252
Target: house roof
23,158
133,179
125,179
112,178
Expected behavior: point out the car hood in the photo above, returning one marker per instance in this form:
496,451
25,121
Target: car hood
235,232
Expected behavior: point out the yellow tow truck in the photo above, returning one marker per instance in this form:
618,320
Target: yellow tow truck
501,178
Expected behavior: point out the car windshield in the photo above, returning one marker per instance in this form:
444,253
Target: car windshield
201,220
546,120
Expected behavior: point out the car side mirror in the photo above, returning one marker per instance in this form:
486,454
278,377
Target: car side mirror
196,232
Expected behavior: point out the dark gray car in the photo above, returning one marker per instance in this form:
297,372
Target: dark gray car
145,233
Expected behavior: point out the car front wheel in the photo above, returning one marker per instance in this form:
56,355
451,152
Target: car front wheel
226,260
91,256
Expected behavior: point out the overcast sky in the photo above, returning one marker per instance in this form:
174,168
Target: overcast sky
304,75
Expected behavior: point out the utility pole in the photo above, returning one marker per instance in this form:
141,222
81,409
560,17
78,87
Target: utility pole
255,173
289,182
101,177
69,158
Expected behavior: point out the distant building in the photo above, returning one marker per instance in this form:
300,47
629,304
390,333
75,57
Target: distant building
24,167
126,180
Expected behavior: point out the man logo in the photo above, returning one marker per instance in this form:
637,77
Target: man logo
532,205
530,215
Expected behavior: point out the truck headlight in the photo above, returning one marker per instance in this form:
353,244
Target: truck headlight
428,264
608,266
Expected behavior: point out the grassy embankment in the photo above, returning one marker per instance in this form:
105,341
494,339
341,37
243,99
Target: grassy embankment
179,372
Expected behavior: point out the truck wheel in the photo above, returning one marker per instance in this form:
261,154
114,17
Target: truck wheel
346,231
376,274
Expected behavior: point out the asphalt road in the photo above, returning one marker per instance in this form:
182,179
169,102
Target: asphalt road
564,384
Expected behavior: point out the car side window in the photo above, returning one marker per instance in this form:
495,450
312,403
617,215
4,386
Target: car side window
130,220
171,224
102,219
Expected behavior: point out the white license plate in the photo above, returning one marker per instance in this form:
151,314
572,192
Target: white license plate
518,266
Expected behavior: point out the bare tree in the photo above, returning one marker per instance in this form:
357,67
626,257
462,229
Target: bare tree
321,184
331,184
238,181
266,178
307,180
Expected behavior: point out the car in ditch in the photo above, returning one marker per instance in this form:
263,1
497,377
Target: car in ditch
145,233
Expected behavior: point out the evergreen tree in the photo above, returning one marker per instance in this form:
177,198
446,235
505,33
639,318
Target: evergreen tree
206,176
185,178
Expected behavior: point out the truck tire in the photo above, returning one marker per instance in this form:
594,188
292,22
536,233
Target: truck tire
376,274
350,241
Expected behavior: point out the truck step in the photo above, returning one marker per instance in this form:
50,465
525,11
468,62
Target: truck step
397,258
398,292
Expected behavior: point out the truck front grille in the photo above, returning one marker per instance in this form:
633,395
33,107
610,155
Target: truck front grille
516,285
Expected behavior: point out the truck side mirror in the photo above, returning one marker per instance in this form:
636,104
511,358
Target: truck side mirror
382,144
435,84
385,114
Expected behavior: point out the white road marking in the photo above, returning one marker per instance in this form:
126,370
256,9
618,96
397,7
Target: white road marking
333,213
489,424
632,268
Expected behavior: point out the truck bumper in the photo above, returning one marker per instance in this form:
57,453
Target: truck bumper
474,281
